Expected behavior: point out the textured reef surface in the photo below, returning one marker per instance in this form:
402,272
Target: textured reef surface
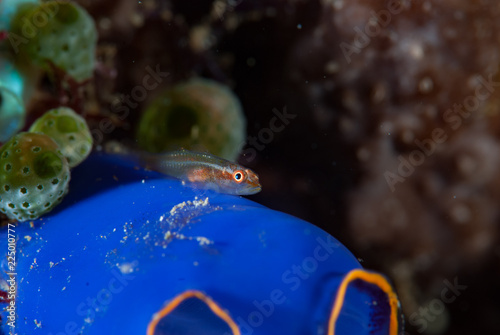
412,90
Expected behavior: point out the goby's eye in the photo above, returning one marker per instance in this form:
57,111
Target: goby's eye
238,176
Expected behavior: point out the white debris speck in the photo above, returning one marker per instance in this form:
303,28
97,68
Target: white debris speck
126,268
195,203
3,285
181,236
203,240
195,263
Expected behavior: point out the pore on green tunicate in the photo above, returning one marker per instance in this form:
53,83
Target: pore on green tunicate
200,115
69,130
34,176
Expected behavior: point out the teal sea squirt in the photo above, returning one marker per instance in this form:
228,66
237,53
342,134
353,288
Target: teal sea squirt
12,86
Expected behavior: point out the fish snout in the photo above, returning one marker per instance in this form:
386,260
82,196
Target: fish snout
253,182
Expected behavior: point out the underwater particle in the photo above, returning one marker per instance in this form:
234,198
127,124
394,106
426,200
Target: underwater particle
69,130
200,115
34,176
58,33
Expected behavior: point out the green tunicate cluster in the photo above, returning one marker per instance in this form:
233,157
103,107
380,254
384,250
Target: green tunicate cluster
198,115
69,130
35,166
34,176
56,33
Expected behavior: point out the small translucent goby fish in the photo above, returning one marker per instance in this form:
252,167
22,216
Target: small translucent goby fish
201,170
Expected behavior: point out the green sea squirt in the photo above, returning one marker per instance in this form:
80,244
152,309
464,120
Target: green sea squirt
69,130
67,40
34,176
199,115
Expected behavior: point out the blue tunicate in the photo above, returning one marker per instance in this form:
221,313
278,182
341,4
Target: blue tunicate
132,252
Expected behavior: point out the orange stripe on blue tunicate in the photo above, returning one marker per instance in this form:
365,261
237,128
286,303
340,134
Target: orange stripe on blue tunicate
371,282
156,324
